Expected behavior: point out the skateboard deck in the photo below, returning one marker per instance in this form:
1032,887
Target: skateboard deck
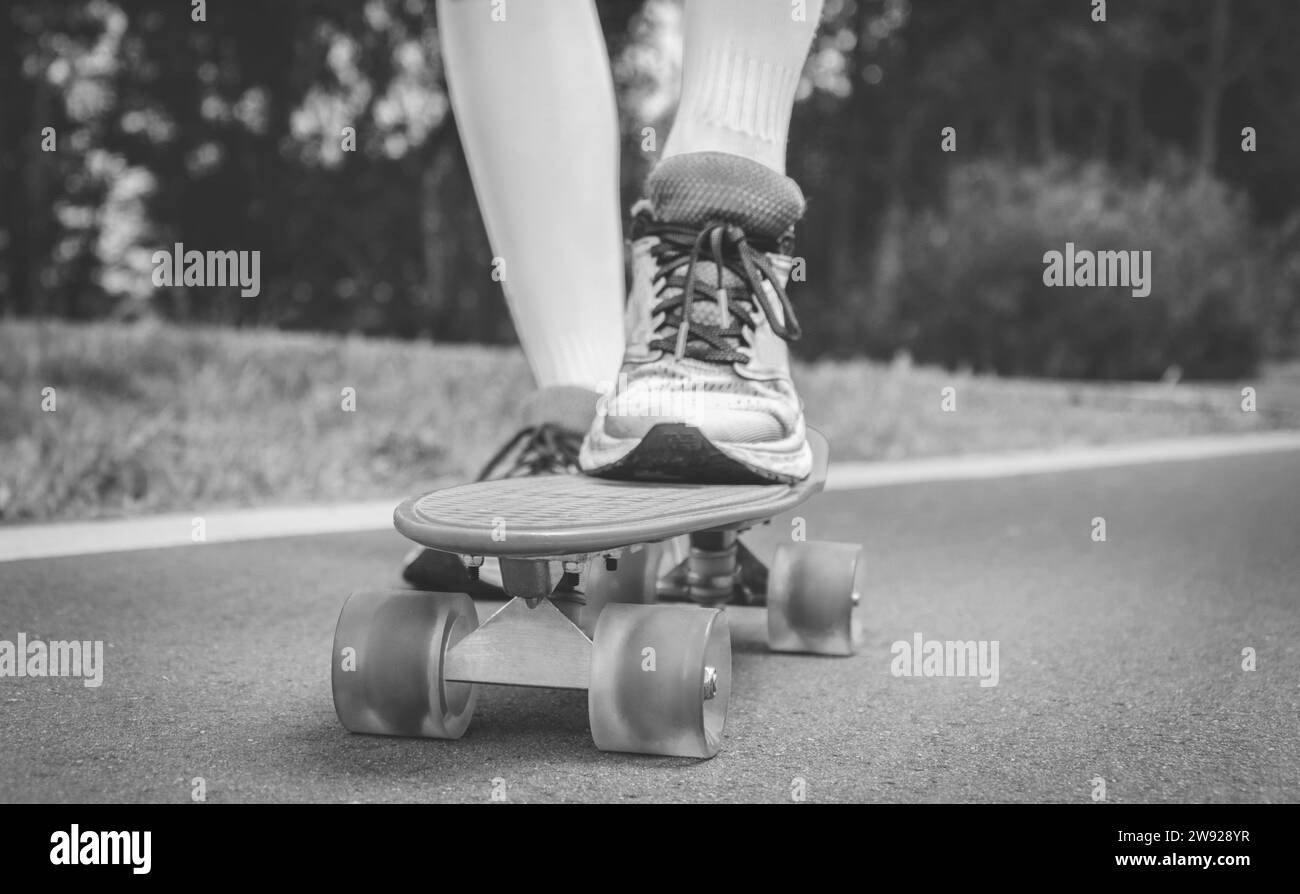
658,677
564,515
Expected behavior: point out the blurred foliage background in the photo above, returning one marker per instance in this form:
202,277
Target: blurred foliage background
226,134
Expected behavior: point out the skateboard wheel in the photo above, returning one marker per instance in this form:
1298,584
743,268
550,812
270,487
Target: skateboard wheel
810,590
390,647
660,680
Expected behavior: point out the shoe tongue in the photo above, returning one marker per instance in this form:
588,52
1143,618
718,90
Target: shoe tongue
702,309
695,189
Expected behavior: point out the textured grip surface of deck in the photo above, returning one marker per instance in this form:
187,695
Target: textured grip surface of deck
569,514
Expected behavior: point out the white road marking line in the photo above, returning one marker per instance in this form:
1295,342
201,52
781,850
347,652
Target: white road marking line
974,467
44,541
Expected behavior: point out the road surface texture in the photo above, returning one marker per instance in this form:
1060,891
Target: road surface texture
1120,659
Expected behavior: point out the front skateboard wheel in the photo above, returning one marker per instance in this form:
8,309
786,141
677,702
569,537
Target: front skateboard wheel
660,680
390,648
810,595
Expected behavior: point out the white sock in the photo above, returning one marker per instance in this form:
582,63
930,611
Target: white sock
534,104
740,70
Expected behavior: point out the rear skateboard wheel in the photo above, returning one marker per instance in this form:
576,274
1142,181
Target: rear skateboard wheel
390,648
810,595
660,680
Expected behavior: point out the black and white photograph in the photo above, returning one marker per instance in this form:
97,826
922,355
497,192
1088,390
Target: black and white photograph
479,402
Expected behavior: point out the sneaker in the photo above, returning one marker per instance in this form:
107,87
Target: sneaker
705,393
548,444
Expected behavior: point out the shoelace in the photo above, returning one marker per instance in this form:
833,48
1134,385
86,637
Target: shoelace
546,448
728,249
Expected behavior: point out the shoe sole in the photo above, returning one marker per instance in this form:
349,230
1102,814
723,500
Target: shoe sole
674,451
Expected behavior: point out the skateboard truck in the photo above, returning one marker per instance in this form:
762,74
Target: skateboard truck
711,567
532,580
719,569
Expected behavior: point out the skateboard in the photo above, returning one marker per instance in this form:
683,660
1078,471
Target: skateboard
616,587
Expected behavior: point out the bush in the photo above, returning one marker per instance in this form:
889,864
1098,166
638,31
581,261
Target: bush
970,290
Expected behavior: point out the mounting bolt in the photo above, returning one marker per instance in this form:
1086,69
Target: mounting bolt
611,563
571,567
857,597
710,682
472,564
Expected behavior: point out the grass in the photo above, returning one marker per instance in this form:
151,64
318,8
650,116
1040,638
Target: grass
154,418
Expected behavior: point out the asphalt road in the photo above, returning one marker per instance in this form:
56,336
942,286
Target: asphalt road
1120,660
